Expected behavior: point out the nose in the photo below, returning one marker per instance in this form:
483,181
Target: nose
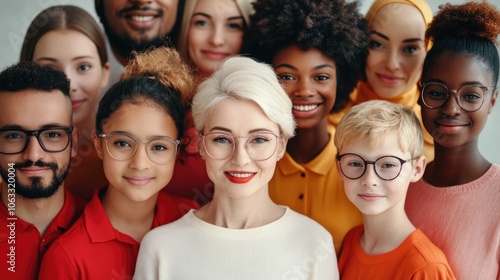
370,178
240,155
217,38
393,60
34,152
451,107
72,79
304,88
140,160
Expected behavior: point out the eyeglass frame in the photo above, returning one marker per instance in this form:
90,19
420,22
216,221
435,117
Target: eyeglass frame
106,136
455,91
372,162
37,133
202,136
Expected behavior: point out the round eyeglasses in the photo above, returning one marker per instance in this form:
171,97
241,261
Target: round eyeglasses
259,146
53,140
122,146
387,168
470,97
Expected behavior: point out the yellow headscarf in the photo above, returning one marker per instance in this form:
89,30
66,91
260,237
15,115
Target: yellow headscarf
365,92
421,5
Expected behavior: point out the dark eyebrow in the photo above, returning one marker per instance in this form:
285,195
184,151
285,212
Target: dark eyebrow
234,18
409,40
471,83
148,138
285,65
201,14
75,58
209,16
46,126
379,34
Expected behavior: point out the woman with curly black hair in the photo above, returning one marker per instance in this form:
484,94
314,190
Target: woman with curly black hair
456,203
316,48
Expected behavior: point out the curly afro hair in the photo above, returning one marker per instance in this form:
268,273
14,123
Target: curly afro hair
335,27
468,29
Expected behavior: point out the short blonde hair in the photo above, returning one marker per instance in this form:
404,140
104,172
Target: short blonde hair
243,78
374,120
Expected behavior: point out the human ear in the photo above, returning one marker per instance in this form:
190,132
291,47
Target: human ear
493,101
281,149
74,142
97,145
105,75
418,168
201,149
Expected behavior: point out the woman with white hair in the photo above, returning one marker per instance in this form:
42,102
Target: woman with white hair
244,120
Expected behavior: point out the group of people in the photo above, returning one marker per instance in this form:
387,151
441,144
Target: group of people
251,139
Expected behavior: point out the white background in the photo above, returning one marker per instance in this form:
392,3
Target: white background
16,16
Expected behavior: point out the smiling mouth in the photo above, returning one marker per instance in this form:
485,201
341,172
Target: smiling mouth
142,18
305,108
240,175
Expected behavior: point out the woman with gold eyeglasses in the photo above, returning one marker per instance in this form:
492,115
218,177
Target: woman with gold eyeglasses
244,120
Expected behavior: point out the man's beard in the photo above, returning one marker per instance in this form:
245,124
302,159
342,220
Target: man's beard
37,189
123,45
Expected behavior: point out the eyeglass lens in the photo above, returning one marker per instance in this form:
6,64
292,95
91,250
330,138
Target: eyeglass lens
469,98
387,168
259,146
51,140
123,147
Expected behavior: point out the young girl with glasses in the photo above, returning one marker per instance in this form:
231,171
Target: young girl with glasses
379,146
138,126
456,203
243,117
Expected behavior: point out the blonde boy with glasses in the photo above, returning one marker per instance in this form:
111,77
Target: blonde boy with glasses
379,148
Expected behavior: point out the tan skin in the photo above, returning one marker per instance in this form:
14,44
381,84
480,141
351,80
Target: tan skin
457,157
39,212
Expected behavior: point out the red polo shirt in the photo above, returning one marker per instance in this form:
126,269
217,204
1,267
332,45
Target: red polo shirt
29,244
93,249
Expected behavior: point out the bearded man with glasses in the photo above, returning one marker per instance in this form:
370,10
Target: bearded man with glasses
37,142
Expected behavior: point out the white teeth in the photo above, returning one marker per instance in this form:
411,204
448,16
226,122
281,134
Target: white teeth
240,175
142,18
305,108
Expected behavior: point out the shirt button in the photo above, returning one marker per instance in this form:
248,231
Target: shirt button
301,196
302,174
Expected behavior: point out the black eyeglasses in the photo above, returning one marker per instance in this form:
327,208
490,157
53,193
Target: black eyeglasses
52,140
387,168
470,97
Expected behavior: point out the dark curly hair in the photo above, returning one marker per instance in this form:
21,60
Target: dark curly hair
155,77
335,27
30,75
468,29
